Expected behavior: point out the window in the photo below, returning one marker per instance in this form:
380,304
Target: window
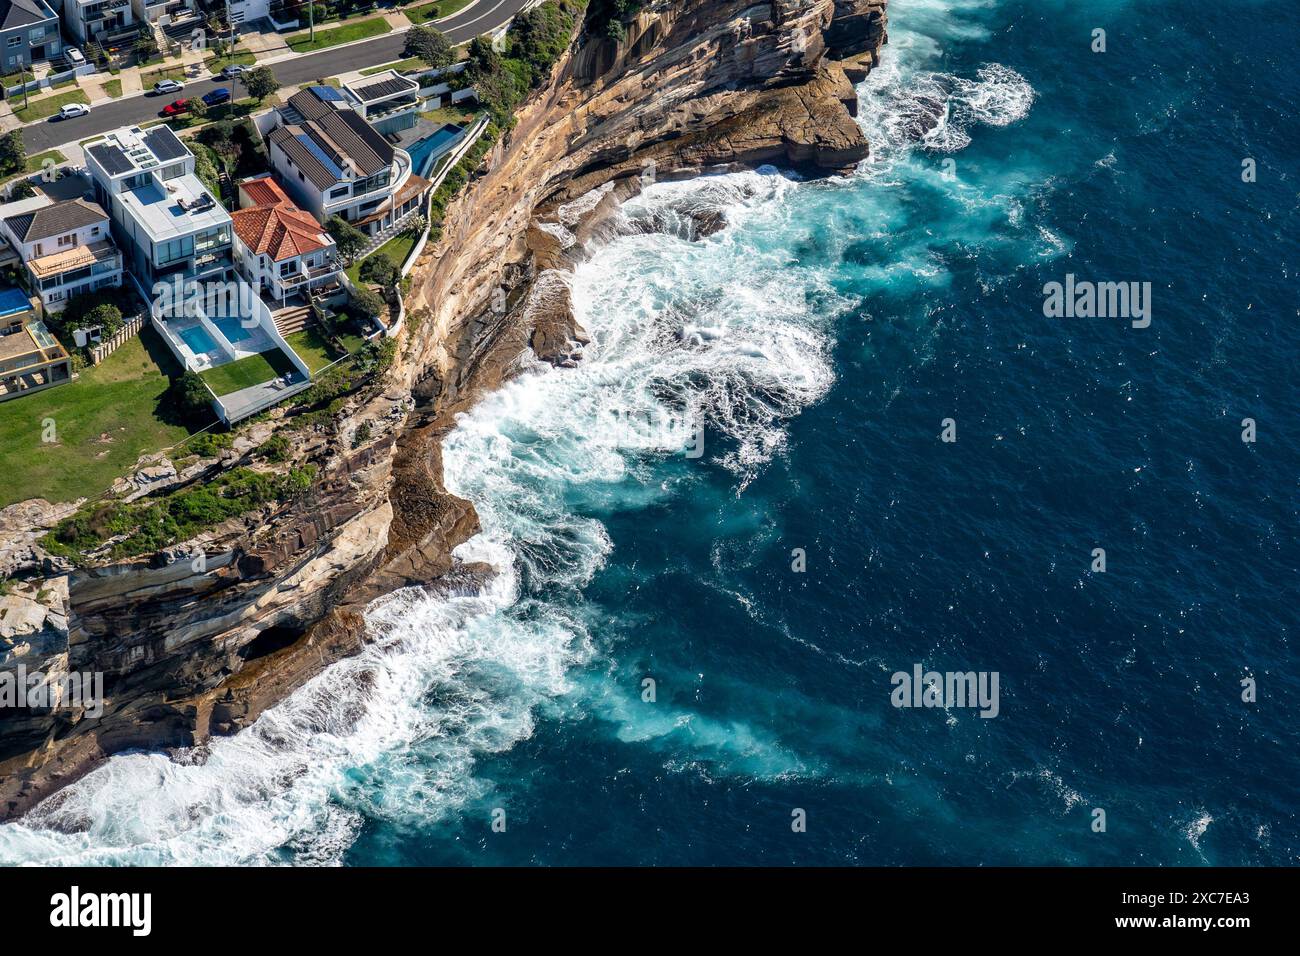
65,241
338,192
36,250
15,41
288,268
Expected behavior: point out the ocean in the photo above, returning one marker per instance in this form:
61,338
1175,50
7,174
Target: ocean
722,535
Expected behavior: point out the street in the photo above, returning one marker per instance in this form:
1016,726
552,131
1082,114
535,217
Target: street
481,17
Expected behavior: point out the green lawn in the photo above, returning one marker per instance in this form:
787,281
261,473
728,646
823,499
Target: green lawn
48,105
360,30
148,79
34,163
435,11
449,114
113,88
254,370
312,348
397,249
217,63
103,422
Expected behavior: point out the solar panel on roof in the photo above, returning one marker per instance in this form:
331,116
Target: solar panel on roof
329,164
384,88
111,158
164,143
327,93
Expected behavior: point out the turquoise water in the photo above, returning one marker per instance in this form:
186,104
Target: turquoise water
817,343
233,328
197,338
431,146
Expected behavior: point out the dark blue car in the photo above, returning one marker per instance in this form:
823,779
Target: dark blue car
220,95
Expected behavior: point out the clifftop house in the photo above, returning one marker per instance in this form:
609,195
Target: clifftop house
282,249
333,163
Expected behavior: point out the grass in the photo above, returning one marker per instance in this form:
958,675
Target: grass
104,421
230,110
312,348
349,32
435,11
449,114
148,79
113,88
247,372
216,63
49,105
36,163
397,249
401,66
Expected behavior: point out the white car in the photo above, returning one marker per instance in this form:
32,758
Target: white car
233,71
74,56
72,110
168,86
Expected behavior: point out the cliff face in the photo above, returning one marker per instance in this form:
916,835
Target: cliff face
200,640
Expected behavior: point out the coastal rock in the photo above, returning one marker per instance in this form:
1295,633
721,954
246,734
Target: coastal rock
195,650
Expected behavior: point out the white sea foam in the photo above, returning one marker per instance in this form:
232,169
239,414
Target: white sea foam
718,329
732,332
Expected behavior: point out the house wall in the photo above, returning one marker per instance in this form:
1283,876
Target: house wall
48,246
36,42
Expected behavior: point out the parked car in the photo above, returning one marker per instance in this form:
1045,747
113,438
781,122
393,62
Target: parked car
177,108
71,110
233,71
168,86
75,56
220,95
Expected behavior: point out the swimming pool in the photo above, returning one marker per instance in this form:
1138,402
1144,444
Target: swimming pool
198,340
435,144
232,327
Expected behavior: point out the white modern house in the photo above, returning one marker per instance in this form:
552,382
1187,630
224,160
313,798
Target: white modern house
387,101
92,20
282,250
164,218
66,247
333,163
178,241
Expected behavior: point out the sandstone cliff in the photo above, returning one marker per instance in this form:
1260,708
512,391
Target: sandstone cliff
201,639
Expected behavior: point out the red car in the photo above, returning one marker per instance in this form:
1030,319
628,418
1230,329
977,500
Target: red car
177,108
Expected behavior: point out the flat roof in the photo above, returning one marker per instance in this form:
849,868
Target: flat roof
170,213
133,149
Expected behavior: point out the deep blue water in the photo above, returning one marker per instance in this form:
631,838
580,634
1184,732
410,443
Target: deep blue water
821,339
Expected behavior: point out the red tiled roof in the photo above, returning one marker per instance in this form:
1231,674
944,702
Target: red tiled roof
274,226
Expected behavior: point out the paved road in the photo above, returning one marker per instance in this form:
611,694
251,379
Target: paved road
481,17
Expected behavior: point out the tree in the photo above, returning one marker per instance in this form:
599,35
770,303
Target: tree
482,57
23,189
429,44
260,82
189,397
106,316
380,270
13,153
368,303
198,108
417,224
349,239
